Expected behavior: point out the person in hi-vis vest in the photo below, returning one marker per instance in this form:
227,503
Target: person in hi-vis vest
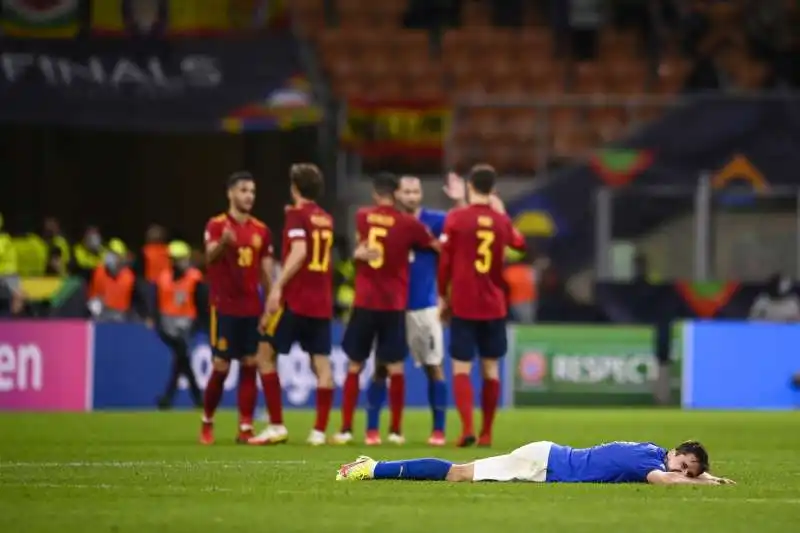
179,293
114,293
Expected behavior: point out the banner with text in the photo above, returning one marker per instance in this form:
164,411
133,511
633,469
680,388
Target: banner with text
186,85
588,365
186,18
392,128
45,366
132,366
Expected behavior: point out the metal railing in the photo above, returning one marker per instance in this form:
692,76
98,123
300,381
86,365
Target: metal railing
704,234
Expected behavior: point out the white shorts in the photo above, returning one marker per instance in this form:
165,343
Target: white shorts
424,336
528,463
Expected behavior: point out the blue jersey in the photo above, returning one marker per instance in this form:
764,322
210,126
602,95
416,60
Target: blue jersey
422,272
615,462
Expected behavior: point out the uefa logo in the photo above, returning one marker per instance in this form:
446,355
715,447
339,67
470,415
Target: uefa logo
532,368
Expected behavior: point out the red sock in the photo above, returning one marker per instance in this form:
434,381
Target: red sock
271,384
213,393
462,389
247,394
489,400
397,400
324,402
349,401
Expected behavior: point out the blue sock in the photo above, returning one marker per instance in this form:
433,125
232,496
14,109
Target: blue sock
417,469
439,404
376,397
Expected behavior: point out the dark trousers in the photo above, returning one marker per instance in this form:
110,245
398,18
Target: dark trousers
181,366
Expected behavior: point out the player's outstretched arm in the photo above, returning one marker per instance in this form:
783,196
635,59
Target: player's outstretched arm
659,477
719,480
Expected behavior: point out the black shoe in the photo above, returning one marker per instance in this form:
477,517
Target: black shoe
164,403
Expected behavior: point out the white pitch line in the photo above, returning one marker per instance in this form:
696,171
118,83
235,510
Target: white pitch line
103,486
133,464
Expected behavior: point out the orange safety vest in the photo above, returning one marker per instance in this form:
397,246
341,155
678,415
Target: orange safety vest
176,296
115,292
521,281
156,261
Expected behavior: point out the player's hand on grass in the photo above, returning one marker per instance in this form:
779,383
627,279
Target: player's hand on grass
454,187
725,481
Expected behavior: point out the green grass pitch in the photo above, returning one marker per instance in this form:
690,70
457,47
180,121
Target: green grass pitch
144,472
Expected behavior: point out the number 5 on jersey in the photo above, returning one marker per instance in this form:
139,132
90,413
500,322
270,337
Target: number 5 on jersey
483,262
322,242
375,242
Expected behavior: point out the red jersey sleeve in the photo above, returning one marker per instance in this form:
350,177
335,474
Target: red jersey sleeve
361,226
266,249
421,236
444,273
295,225
213,231
517,239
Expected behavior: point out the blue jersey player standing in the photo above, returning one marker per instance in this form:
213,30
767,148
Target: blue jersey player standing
547,462
423,327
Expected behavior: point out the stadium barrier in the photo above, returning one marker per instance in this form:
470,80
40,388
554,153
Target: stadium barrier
589,365
740,365
80,366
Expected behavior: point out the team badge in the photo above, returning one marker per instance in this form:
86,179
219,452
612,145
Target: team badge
222,344
256,242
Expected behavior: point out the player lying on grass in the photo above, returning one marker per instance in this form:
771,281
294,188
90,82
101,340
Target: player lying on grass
547,462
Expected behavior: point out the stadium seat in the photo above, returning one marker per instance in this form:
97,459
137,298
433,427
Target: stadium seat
502,157
474,14
627,76
671,76
536,43
589,78
616,44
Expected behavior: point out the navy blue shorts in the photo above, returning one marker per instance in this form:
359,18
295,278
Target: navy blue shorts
487,338
286,328
233,337
386,330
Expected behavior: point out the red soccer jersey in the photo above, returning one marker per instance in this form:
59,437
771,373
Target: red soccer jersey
474,240
234,278
382,284
310,291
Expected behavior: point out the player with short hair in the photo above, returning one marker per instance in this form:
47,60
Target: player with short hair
472,291
547,462
300,305
386,237
239,257
424,332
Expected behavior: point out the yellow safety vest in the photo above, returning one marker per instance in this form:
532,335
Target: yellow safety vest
31,255
8,256
85,259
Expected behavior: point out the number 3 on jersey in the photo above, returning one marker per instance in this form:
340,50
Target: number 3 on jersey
375,242
322,242
483,263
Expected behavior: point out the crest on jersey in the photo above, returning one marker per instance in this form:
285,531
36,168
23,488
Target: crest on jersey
257,242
